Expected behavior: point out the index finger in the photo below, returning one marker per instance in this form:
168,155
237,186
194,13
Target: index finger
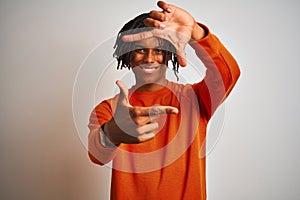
163,5
137,36
157,110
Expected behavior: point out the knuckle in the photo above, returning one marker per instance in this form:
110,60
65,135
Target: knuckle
161,16
138,111
155,125
138,121
154,111
131,111
140,139
134,112
142,130
143,36
147,22
156,24
139,131
152,13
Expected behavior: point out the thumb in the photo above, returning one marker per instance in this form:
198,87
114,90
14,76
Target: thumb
123,99
181,57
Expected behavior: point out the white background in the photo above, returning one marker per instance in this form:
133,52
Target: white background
44,43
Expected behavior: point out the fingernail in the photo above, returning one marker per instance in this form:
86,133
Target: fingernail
162,26
175,111
169,10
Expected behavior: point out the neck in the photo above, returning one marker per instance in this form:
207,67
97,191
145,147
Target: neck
150,87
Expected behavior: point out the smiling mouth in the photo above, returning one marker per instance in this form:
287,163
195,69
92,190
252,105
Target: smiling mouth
148,69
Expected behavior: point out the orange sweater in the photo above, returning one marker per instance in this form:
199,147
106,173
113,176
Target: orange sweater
169,166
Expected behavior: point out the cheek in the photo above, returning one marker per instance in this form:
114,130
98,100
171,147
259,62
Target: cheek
161,60
136,60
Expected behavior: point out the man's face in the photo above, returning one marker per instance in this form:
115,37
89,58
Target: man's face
148,62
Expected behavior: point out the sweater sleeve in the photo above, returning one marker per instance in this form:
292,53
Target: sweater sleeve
222,73
97,152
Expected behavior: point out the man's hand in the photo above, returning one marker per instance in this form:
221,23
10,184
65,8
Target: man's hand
133,124
173,24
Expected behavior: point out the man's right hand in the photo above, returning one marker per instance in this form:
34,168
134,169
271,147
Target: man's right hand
133,124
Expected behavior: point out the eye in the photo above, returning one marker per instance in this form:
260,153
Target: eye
139,50
159,51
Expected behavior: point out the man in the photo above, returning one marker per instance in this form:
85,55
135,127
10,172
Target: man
154,131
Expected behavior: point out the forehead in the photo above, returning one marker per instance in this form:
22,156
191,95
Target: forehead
148,43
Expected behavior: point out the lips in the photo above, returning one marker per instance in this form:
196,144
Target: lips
149,69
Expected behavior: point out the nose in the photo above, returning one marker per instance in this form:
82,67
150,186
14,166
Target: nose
149,56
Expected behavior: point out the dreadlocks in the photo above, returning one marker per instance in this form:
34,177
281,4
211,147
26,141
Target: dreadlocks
123,50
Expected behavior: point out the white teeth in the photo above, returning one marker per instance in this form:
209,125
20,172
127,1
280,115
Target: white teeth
149,70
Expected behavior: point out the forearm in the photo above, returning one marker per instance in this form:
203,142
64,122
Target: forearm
98,153
222,70
216,58
198,32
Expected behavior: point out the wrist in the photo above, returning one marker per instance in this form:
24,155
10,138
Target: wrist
109,134
198,32
104,140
